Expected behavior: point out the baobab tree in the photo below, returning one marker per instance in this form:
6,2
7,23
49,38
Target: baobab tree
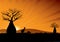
11,15
54,25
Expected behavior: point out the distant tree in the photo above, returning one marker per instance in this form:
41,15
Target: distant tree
11,15
54,25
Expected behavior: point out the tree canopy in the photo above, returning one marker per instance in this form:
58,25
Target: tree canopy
11,15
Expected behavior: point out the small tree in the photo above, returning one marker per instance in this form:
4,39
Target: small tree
11,15
54,25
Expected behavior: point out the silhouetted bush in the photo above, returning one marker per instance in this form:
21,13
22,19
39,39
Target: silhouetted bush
28,32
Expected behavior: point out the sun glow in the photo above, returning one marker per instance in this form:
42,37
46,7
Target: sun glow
17,28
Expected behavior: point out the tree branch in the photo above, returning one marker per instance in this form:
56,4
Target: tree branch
7,14
16,13
12,11
5,18
17,17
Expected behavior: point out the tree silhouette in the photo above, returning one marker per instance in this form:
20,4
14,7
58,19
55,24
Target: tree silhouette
11,15
54,25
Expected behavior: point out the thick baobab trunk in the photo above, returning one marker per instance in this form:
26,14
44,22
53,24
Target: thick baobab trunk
11,28
54,31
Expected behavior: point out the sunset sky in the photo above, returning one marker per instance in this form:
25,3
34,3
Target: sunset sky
36,14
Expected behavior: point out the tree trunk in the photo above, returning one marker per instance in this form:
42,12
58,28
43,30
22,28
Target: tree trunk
11,28
54,31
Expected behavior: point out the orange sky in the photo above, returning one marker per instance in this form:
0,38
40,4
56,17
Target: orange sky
36,14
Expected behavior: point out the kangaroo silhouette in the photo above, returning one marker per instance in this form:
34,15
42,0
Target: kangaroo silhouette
22,31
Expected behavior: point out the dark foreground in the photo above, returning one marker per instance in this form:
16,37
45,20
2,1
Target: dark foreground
30,37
